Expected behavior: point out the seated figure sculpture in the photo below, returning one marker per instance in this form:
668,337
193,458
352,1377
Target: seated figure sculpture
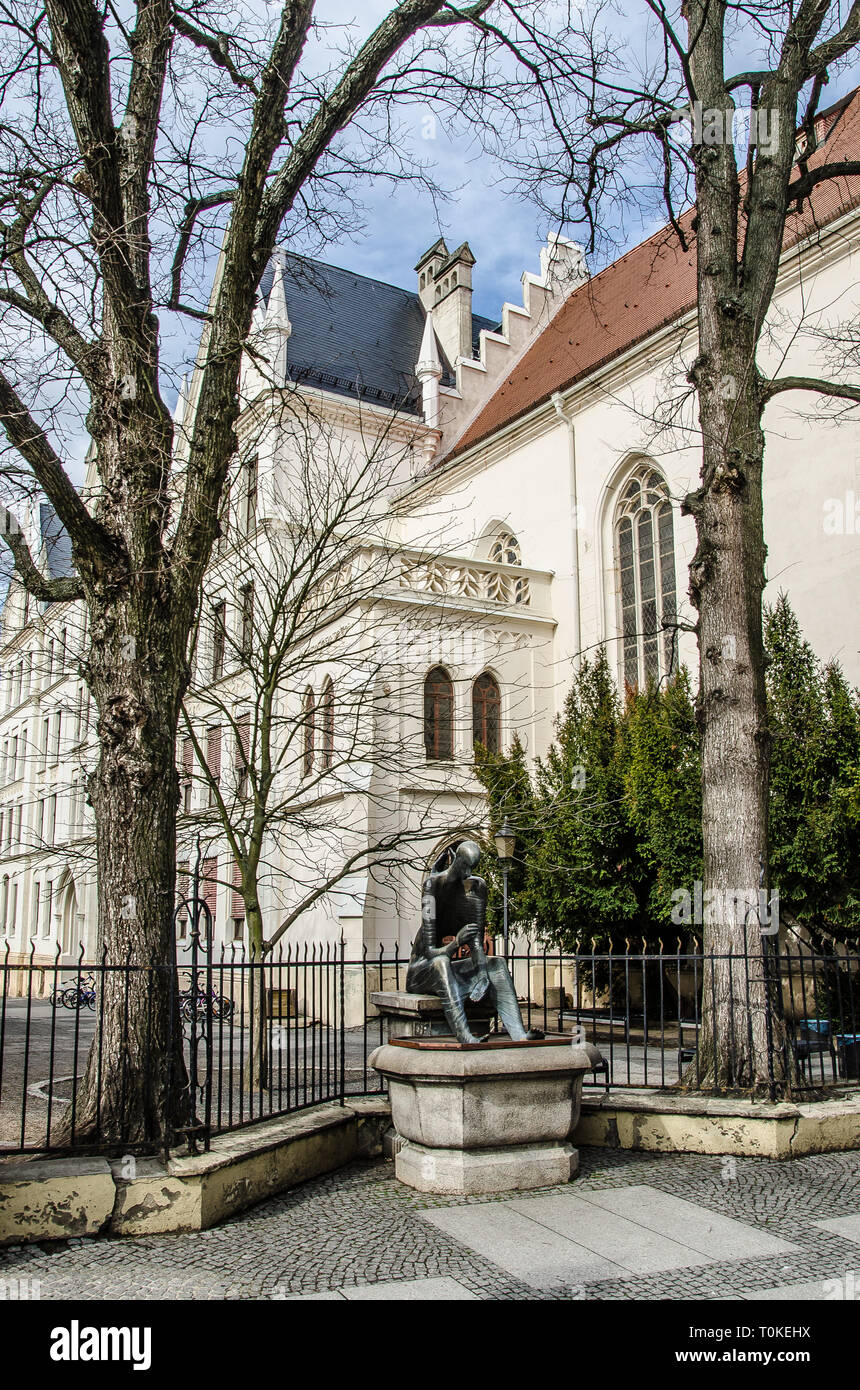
453,903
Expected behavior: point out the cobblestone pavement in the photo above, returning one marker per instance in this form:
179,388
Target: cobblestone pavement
360,1227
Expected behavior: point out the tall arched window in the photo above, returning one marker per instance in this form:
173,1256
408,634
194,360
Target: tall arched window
645,556
309,722
438,715
486,712
328,724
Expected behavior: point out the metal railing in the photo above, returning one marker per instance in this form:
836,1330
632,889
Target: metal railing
263,1039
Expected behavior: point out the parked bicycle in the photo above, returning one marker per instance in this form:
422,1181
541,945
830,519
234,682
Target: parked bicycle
55,998
222,1007
81,995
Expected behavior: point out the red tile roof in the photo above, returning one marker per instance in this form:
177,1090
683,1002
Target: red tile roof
647,289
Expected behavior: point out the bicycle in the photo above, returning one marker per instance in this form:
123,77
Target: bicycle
222,1007
81,995
55,998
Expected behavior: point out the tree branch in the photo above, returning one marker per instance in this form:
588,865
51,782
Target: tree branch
34,581
31,442
455,16
803,186
218,50
826,53
837,389
193,208
35,302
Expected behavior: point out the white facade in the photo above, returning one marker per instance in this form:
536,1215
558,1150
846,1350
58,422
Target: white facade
507,560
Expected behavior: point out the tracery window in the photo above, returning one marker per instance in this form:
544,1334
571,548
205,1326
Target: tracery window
645,557
505,550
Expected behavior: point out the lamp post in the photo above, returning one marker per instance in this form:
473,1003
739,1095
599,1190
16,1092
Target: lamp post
505,840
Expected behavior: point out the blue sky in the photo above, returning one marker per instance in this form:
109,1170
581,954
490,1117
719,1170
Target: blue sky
504,232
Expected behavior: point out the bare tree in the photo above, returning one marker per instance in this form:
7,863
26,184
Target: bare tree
284,723
132,136
658,118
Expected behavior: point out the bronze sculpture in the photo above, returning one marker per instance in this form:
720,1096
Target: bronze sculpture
454,903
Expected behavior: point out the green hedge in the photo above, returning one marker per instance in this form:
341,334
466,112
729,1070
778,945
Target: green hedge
609,822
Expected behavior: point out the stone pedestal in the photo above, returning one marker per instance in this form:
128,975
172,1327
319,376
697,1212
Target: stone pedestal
491,1117
422,1015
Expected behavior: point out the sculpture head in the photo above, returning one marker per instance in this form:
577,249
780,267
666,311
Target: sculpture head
465,860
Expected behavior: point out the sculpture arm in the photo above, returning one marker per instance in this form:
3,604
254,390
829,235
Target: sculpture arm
430,949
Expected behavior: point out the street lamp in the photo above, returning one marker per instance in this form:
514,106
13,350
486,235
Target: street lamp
505,840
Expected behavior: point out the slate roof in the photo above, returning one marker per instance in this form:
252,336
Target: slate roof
352,334
649,288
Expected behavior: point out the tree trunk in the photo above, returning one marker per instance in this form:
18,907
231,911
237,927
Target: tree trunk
135,1089
258,1070
741,1045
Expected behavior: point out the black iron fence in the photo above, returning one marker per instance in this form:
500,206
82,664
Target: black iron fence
266,1039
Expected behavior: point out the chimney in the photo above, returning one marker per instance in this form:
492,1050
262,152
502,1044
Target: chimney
445,291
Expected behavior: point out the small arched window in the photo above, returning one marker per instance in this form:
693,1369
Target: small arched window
309,722
645,556
505,550
486,712
438,715
328,724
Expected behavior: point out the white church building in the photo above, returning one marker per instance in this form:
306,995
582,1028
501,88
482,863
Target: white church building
532,514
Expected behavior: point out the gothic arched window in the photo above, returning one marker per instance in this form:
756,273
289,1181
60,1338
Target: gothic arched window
486,712
328,724
309,721
438,715
505,550
645,556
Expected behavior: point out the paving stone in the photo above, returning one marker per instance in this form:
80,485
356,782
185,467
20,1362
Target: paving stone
847,1226
524,1248
617,1239
810,1290
691,1225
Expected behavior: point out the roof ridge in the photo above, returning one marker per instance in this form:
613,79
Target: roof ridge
343,270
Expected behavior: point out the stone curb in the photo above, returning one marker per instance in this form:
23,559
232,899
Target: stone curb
55,1199
654,1122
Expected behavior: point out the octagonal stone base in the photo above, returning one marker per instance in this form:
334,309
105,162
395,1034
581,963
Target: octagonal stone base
476,1172
491,1117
